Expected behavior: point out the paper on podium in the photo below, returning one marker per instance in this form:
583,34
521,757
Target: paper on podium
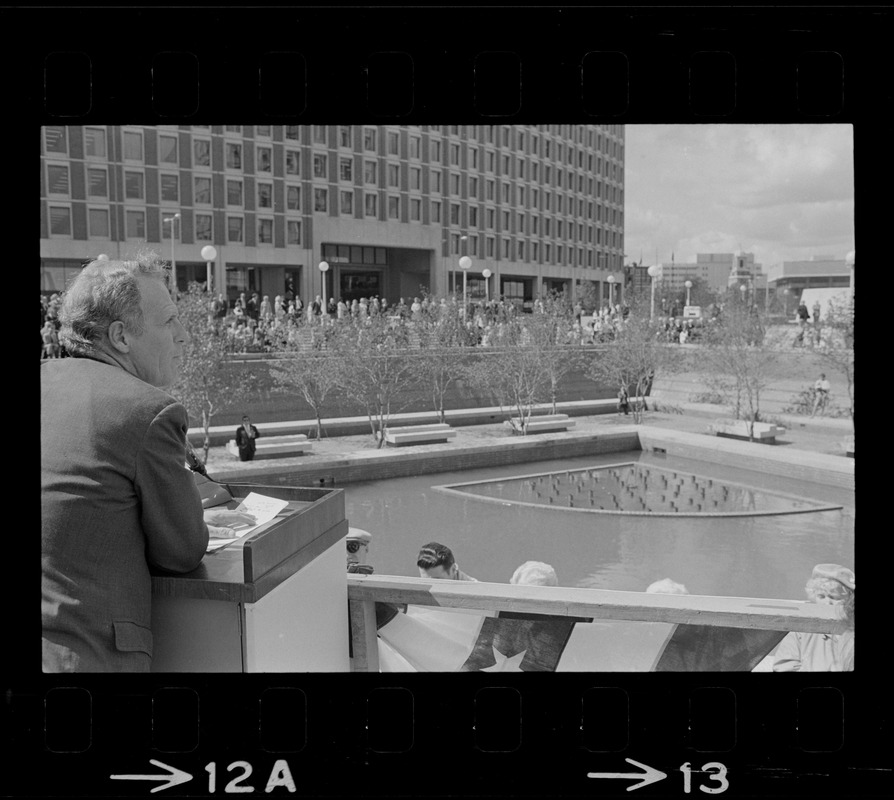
263,508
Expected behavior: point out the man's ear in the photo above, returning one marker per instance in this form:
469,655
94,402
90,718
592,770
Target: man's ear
119,337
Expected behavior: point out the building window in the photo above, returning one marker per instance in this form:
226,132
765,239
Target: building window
320,199
55,139
319,165
490,246
97,182
415,178
57,179
369,139
454,155
167,149
473,216
369,171
347,203
95,143
203,228
133,146
454,183
98,223
454,213
170,188
202,192
234,156
262,130
504,187
435,148
60,221
490,218
370,205
201,152
346,169
393,207
292,163
506,246
473,154
293,198
234,193
489,194
415,146
534,251
265,159
265,195
265,231
234,229
293,231
436,181
237,129
135,224
473,187
504,218
319,134
520,248
394,175
506,163
293,132
133,185
473,245
344,135
454,244
436,211
415,209
393,143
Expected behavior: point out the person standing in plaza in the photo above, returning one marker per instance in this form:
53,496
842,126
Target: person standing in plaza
821,390
246,434
116,496
803,316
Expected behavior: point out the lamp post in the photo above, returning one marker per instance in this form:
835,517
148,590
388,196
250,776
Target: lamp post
209,254
611,291
486,273
785,294
743,289
653,273
324,268
688,285
173,262
465,264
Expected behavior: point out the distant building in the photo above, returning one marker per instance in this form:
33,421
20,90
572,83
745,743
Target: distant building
390,208
818,272
718,271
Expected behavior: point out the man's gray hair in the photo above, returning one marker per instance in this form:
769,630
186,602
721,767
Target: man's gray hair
105,291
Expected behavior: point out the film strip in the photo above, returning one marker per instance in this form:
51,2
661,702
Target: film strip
482,735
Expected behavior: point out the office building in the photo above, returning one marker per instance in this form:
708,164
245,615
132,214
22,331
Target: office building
390,209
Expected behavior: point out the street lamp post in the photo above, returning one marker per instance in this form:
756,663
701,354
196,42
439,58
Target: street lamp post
611,292
173,262
653,273
743,289
209,253
465,264
688,285
324,268
486,275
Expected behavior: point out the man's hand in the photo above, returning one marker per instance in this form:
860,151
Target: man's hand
225,517
221,533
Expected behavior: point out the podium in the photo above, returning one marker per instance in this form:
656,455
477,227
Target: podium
273,601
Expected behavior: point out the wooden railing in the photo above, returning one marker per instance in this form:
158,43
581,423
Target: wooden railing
732,612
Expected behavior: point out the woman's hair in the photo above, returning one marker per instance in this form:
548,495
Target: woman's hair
102,292
816,585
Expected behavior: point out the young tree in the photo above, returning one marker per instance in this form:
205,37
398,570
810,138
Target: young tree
307,365
837,345
551,334
205,383
377,366
736,358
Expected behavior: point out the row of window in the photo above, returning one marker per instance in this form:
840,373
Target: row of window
96,146
98,226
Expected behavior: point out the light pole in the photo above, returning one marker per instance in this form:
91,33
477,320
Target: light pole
743,289
486,273
611,292
653,273
209,253
465,264
688,285
785,294
173,262
324,268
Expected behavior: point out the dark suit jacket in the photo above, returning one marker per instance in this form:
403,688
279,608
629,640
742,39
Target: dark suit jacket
115,498
244,441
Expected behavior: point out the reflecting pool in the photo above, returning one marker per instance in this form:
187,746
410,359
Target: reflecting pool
763,542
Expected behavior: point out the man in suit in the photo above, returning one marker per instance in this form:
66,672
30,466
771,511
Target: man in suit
246,434
116,497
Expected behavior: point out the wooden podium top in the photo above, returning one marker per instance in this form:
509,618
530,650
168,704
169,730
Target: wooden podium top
246,570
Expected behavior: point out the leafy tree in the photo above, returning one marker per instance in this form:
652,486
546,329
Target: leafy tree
837,344
205,383
551,333
308,366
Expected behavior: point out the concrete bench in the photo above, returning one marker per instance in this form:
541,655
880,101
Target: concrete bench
275,446
738,429
419,434
542,424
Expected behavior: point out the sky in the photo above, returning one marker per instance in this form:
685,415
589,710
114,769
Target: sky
782,192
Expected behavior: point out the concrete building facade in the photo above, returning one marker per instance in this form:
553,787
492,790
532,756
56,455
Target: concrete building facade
390,209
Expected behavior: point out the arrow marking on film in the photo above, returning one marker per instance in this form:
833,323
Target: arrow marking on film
650,775
175,776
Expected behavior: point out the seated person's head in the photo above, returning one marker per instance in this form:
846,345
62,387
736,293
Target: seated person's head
830,584
667,586
436,561
535,573
357,546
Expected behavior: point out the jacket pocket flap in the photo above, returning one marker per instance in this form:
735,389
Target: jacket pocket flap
131,637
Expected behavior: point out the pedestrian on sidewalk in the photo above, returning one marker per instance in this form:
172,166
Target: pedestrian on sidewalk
821,391
246,434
